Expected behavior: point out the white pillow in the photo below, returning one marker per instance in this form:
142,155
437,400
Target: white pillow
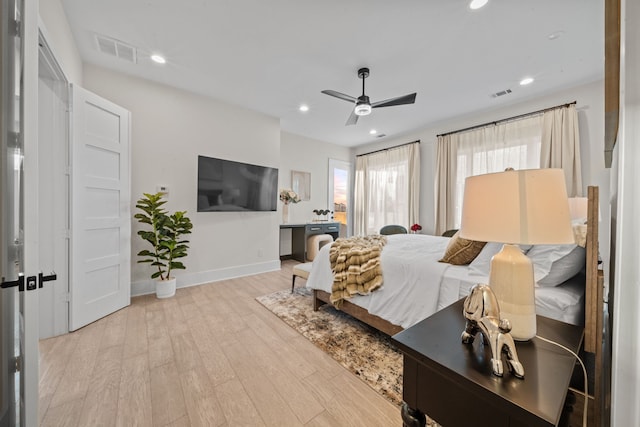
481,265
555,264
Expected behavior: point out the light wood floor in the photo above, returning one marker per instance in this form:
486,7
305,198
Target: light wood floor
210,356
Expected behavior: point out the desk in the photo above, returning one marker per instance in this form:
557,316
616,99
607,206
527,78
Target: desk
300,233
453,384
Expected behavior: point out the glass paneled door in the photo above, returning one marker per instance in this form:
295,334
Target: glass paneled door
18,339
11,248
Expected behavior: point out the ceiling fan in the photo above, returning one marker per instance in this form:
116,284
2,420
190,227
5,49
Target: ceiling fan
362,104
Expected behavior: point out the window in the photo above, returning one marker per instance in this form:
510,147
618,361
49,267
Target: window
386,189
490,149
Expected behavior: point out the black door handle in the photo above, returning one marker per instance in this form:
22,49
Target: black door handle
42,278
19,282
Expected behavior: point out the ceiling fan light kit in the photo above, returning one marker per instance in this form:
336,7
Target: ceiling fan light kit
362,105
362,109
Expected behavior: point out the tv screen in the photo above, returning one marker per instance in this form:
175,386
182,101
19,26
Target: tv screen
224,185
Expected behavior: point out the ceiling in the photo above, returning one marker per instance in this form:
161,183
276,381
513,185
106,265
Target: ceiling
271,56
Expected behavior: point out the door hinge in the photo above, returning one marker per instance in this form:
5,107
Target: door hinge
18,363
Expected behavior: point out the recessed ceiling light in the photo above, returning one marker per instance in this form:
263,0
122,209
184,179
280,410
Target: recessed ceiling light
373,132
477,4
526,81
555,35
158,58
304,108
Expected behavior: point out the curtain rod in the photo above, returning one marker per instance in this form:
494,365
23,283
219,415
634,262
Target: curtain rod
520,116
389,148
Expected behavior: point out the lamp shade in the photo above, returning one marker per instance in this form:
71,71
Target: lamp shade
517,206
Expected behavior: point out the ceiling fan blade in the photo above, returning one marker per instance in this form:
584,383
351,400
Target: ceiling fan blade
353,118
400,100
339,95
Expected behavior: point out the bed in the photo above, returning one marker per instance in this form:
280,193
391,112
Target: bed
416,285
577,300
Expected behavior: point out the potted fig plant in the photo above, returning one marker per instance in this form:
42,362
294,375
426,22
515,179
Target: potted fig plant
165,238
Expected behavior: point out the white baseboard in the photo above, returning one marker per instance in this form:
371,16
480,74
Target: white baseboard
186,279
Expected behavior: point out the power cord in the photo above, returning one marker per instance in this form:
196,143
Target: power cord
584,371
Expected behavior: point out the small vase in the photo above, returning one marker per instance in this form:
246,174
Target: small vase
285,213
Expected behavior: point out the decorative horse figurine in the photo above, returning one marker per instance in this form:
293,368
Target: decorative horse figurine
483,314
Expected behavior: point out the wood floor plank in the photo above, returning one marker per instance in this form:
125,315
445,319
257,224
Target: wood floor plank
167,399
64,415
217,366
75,382
236,405
200,398
210,356
101,401
115,329
287,354
136,342
52,368
134,396
271,406
186,352
323,419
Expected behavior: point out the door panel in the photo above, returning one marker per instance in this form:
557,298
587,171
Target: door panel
101,219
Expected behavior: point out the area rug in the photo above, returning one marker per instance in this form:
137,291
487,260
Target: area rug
361,349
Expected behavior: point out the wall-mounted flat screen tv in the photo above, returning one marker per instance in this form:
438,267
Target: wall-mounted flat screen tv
224,185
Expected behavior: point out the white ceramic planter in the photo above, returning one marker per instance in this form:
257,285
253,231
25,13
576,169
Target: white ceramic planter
166,288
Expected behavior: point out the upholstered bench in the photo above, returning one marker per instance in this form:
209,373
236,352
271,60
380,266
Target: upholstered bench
315,242
300,270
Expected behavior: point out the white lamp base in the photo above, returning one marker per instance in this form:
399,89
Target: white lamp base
511,280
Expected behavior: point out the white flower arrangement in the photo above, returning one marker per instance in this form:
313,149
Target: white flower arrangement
289,196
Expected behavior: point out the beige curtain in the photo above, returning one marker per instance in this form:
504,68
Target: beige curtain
387,189
561,146
487,149
445,183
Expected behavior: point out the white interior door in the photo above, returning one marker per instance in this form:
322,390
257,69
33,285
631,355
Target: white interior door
100,209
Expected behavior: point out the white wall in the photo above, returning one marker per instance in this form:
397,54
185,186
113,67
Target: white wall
626,318
54,25
307,155
170,128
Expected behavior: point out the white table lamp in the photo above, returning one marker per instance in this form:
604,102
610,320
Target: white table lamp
527,207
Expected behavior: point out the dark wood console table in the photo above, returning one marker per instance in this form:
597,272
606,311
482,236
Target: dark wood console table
452,382
300,233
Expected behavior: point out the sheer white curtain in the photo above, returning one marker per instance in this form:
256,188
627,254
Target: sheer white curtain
514,144
387,189
561,146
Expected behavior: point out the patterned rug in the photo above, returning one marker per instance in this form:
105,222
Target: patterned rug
356,346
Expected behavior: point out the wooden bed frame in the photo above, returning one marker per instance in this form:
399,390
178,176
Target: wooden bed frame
594,300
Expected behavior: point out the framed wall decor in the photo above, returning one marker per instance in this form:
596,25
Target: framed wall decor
301,184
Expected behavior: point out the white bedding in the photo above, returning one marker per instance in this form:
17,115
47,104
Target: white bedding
411,272
416,285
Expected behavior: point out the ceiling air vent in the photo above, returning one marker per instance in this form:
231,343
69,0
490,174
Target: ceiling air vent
381,135
116,48
501,93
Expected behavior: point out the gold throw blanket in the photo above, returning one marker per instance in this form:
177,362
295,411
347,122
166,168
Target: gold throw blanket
355,263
